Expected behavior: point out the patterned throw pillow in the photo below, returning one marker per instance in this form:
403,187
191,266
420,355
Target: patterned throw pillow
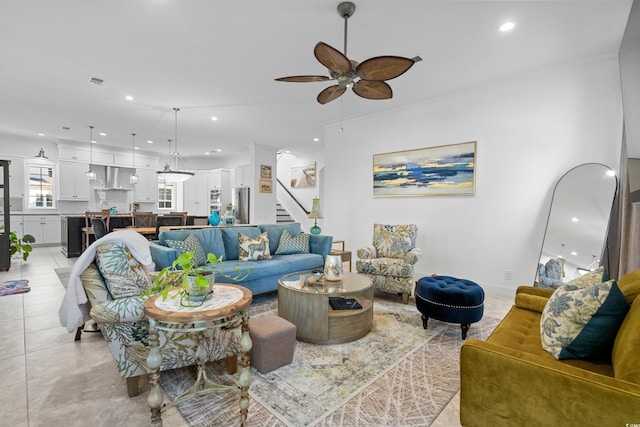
582,322
122,273
591,278
253,249
191,243
394,241
293,244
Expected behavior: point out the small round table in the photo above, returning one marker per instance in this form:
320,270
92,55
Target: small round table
228,308
304,301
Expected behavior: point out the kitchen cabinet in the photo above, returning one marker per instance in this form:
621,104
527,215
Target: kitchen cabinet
73,181
197,193
242,176
44,228
101,158
146,162
123,160
75,154
146,190
16,177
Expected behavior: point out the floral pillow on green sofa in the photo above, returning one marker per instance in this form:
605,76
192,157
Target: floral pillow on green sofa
581,322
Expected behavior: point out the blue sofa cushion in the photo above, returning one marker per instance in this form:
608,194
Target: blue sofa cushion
275,231
230,239
210,239
276,267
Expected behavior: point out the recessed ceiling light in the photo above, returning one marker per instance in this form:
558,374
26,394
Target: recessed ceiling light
316,139
93,141
219,150
103,134
574,219
214,118
574,253
149,141
136,148
507,26
611,173
41,134
129,98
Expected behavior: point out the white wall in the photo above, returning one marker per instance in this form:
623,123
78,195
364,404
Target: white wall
529,132
304,195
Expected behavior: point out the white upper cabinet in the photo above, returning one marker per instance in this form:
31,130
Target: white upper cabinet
146,190
73,181
75,154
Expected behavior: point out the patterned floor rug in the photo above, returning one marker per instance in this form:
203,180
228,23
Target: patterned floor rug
399,374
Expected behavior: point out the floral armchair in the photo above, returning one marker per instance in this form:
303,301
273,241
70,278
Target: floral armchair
390,259
124,325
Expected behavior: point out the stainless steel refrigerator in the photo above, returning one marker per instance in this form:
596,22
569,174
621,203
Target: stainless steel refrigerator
242,204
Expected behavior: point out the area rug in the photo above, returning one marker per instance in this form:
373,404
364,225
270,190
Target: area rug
399,374
11,287
63,275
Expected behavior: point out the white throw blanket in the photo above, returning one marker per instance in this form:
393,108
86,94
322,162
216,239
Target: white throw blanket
74,311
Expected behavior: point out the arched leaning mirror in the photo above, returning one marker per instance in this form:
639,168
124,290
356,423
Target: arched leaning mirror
574,241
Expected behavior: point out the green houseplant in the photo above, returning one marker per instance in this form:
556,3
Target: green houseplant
21,246
195,282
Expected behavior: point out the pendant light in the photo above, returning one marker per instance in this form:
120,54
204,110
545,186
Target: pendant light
174,175
91,175
133,178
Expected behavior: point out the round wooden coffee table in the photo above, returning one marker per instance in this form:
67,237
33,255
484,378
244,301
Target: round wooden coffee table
304,301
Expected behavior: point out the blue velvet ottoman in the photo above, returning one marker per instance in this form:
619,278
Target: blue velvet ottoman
450,299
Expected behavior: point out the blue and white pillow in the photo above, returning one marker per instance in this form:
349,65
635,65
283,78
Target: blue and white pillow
581,322
123,275
293,244
191,243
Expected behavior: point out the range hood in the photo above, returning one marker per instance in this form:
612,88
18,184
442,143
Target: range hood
112,180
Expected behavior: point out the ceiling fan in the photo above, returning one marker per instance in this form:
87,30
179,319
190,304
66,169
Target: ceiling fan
367,79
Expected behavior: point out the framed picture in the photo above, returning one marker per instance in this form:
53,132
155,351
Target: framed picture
266,186
303,176
265,172
446,170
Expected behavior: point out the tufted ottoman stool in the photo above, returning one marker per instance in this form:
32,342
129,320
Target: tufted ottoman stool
273,340
450,299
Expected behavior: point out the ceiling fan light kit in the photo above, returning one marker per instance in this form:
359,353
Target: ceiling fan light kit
367,79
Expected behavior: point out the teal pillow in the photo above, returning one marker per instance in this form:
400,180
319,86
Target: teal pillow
191,243
123,275
581,322
293,244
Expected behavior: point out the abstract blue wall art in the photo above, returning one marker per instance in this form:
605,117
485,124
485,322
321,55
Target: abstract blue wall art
446,170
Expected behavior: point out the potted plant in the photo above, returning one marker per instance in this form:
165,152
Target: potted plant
195,282
21,246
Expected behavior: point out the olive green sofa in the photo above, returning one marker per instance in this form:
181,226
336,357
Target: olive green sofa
510,380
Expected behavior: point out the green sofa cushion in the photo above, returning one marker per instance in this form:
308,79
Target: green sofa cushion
627,347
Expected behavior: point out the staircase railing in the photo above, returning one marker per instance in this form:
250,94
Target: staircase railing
293,197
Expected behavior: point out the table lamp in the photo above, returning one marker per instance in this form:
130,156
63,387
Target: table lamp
315,214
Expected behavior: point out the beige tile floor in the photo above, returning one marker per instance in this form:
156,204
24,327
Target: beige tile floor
48,379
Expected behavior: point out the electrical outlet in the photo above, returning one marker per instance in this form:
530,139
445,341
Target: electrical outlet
508,275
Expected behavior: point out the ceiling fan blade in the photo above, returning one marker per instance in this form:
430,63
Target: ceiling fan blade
373,89
331,58
303,79
331,93
384,67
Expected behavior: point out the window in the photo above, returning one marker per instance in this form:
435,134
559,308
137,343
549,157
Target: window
165,195
41,186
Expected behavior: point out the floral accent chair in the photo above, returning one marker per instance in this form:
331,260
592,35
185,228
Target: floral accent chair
113,284
390,259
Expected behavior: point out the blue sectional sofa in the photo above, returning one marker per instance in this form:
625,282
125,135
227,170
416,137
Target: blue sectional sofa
264,274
